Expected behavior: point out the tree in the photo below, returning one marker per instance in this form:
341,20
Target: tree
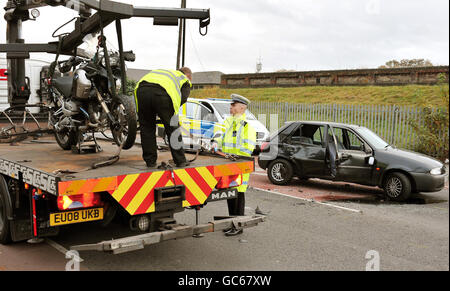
407,63
131,84
435,122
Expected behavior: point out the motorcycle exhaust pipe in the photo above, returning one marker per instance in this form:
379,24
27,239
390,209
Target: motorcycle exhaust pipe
102,103
105,108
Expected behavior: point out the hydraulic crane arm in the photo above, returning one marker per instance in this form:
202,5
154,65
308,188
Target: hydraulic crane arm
107,12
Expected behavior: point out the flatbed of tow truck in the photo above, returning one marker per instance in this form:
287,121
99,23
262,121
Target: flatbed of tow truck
38,178
47,157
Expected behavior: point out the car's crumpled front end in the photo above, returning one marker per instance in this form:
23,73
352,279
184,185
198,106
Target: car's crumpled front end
432,181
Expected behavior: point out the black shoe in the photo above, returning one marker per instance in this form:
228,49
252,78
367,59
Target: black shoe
151,165
183,165
234,232
227,229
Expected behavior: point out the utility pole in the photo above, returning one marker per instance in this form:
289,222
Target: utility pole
181,40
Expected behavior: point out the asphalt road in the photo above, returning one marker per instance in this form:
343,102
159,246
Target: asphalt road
299,234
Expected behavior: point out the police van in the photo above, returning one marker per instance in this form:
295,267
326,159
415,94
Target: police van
204,119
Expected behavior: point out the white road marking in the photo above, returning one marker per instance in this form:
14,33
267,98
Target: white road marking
61,249
309,200
259,174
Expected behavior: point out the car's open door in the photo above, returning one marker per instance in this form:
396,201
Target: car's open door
354,157
331,152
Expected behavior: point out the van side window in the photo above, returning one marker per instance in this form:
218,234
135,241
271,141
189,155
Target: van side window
190,109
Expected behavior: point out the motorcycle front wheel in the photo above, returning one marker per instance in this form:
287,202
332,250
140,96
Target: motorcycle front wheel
124,112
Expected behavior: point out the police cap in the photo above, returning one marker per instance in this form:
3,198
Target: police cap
239,99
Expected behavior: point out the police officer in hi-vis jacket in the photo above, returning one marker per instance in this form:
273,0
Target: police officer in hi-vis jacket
239,139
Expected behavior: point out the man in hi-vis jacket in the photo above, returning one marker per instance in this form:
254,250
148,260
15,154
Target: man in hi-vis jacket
239,139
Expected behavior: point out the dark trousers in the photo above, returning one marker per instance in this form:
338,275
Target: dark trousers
152,101
236,206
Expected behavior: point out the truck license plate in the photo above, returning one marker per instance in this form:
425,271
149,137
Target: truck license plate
84,215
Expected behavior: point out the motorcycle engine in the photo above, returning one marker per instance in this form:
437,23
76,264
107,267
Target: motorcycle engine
81,85
70,108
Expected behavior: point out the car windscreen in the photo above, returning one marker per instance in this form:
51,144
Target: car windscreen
224,110
372,138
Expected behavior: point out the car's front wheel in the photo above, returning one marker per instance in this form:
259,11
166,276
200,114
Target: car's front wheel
280,172
397,186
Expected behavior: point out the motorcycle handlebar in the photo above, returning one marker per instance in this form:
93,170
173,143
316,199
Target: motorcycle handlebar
69,64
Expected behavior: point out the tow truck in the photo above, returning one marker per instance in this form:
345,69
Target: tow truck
43,187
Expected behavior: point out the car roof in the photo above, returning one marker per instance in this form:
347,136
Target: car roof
334,124
211,100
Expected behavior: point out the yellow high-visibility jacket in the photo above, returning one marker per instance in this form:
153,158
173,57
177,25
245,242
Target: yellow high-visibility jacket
170,80
239,139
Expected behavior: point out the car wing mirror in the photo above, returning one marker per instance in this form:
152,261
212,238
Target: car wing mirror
371,161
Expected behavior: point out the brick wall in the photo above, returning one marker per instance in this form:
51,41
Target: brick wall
382,77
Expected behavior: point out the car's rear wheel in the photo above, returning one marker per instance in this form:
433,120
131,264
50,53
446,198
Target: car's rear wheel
397,186
280,172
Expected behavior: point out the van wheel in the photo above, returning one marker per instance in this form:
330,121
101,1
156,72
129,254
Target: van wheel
280,172
397,187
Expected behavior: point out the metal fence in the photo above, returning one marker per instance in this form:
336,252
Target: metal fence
390,122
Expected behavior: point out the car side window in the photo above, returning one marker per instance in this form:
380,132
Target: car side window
340,138
304,135
318,136
347,140
354,142
295,137
283,132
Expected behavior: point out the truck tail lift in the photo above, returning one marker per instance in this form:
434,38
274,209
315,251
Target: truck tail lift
38,195
173,231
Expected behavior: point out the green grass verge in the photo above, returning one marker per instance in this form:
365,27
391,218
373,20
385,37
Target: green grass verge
411,95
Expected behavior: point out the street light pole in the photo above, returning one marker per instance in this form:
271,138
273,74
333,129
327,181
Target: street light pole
181,39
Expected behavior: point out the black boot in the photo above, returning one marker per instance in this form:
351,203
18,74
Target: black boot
234,232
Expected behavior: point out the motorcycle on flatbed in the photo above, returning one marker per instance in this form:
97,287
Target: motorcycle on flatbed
84,101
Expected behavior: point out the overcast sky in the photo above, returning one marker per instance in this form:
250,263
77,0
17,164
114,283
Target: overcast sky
286,34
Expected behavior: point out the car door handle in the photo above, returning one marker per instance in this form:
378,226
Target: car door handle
345,156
